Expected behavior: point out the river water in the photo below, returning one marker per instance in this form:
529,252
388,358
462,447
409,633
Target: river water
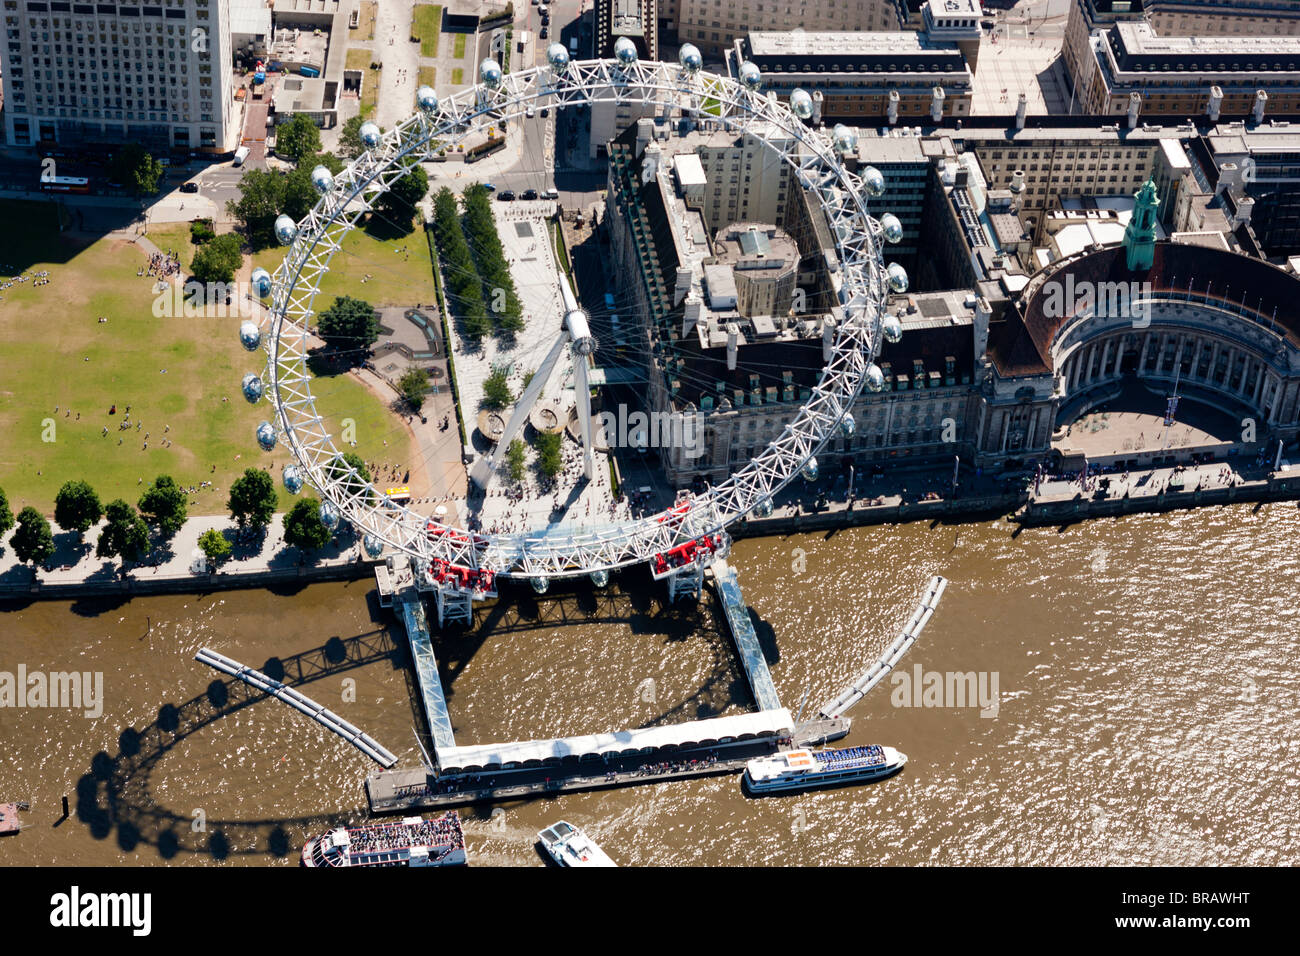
1145,671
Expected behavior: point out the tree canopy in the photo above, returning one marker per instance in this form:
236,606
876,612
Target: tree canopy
77,507
414,386
349,325
214,546
252,499
297,138
218,259
496,390
125,534
303,527
464,290
135,168
6,516
164,505
33,543
549,460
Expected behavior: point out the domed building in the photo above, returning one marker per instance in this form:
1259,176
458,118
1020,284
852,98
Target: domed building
1213,326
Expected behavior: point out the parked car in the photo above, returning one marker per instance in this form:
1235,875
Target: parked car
546,111
530,112
507,196
189,187
489,187
529,194
550,194
542,33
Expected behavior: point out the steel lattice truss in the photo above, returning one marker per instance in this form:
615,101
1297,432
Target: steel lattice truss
862,293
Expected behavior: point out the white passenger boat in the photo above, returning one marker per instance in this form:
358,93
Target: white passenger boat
412,842
569,846
806,769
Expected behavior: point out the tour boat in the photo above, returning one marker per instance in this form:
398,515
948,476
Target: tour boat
806,769
413,841
569,846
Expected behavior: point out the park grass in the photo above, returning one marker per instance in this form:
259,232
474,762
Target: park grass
401,279
50,330
426,25
457,77
458,47
359,58
428,75
370,92
366,22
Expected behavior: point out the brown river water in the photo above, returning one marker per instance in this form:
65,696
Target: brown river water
1146,676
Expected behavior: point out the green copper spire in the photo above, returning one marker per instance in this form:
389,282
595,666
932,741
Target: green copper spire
1140,236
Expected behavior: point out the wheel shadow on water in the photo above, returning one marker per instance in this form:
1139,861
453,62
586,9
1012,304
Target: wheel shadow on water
114,799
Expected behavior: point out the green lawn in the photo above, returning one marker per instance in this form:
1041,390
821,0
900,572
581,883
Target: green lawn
426,23
397,278
428,75
57,354
366,22
359,58
457,77
370,91
458,49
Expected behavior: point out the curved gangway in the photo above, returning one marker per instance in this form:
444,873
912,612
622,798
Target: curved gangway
299,702
891,655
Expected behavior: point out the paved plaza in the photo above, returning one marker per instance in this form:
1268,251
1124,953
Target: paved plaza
571,500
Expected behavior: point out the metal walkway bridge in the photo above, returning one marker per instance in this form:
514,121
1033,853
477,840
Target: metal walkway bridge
411,610
891,655
299,702
742,631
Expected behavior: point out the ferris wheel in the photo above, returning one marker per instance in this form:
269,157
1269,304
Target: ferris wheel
695,522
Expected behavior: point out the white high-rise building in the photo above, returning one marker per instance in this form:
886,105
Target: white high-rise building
156,72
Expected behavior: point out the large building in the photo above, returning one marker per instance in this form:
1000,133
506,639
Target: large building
1134,68
1179,18
635,19
156,72
893,76
713,24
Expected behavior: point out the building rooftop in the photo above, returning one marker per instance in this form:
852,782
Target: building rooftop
1136,47
840,43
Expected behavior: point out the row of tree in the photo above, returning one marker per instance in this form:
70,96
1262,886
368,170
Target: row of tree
77,508
463,285
162,510
480,228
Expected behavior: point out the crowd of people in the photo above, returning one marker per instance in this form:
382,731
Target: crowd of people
851,757
162,265
677,766
36,278
444,831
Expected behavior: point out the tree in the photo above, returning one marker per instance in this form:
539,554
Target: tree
77,507
548,453
298,195
201,231
414,385
303,527
125,534
214,546
164,505
398,204
350,325
515,457
261,194
6,516
218,260
134,167
252,499
504,305
32,541
350,145
357,486
297,138
464,289
496,390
